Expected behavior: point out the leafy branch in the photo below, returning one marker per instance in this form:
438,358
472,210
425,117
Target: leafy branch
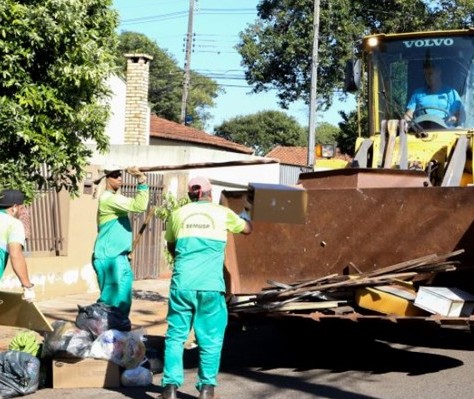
169,204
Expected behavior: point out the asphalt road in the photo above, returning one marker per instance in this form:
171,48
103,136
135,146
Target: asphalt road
281,360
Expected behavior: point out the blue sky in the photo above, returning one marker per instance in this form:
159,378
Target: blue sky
216,26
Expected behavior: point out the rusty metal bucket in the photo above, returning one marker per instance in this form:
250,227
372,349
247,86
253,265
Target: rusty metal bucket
394,218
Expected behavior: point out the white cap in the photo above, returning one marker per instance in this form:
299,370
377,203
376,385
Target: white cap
111,167
106,169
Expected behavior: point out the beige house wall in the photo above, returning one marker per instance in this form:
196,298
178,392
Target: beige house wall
72,273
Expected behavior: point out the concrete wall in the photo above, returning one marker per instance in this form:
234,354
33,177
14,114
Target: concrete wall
164,153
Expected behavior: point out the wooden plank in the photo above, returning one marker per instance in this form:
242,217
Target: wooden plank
414,263
284,288
308,305
402,265
159,168
357,281
289,306
16,312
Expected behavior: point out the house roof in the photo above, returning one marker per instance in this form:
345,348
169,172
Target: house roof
168,130
290,155
297,155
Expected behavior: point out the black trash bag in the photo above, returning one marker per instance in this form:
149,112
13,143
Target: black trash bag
66,340
19,374
100,317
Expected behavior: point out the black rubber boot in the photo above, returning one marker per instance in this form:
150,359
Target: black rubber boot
206,392
170,392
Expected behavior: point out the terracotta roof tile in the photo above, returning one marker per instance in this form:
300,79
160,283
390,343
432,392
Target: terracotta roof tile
297,155
290,155
165,129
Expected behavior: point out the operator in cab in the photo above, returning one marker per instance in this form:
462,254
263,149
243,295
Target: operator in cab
435,101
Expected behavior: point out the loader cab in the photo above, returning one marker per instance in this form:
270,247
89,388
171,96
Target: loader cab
395,70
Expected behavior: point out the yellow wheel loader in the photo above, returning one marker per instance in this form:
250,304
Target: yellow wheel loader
436,134
405,200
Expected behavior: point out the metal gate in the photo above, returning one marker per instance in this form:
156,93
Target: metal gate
43,230
147,254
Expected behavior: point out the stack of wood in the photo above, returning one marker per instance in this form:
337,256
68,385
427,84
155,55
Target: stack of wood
337,290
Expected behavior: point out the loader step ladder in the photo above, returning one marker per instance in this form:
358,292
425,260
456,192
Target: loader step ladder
361,157
454,171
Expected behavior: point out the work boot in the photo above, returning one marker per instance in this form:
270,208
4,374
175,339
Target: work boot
170,392
206,392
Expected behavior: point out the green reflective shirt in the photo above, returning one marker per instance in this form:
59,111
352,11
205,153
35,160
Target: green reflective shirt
199,231
114,228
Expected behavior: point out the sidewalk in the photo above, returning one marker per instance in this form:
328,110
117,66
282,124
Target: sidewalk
149,309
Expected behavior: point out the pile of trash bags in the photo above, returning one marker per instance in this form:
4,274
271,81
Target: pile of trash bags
101,332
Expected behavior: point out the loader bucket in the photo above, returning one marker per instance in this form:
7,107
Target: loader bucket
368,218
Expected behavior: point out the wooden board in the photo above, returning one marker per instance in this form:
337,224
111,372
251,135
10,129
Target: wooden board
16,312
309,305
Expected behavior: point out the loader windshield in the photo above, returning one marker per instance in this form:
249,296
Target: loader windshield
398,74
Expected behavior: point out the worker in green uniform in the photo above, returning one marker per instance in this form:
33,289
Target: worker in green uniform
196,236
114,239
13,241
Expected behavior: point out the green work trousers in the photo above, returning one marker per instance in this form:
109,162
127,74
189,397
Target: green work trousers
206,312
115,278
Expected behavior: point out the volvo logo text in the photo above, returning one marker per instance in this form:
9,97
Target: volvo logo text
428,42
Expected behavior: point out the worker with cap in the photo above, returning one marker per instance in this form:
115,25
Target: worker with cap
13,241
196,236
114,239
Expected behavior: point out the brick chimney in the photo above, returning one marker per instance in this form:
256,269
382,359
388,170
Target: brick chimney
137,112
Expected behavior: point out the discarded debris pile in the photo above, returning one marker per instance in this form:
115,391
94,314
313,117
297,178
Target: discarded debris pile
340,293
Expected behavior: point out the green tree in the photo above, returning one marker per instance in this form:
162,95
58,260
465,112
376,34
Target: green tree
326,133
55,56
276,49
348,130
166,82
263,131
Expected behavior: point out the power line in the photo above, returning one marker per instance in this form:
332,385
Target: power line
214,35
218,52
180,14
154,18
227,11
234,77
153,3
239,86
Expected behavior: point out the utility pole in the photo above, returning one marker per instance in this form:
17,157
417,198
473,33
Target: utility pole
187,62
314,80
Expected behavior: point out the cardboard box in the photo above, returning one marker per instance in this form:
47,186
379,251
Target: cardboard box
16,312
278,203
85,373
451,302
